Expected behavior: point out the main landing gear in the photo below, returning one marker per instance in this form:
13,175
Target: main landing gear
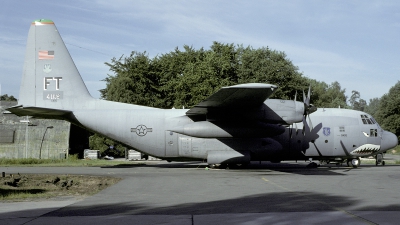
354,162
226,166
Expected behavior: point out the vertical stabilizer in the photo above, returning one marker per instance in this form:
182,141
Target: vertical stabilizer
50,78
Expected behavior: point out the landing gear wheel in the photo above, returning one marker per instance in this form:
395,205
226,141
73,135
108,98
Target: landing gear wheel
355,162
212,166
223,166
312,165
244,165
383,163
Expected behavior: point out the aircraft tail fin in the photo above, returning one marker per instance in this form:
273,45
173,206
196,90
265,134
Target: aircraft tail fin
50,78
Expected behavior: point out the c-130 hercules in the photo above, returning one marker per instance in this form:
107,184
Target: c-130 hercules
236,125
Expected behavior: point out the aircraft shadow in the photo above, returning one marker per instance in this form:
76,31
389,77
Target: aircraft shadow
261,203
159,165
253,167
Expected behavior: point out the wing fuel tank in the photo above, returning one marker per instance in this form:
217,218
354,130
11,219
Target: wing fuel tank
207,129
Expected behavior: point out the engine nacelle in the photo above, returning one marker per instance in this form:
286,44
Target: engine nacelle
289,111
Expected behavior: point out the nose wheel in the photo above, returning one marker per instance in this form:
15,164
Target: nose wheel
379,159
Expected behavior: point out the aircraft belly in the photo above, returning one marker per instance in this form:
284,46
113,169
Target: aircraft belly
201,148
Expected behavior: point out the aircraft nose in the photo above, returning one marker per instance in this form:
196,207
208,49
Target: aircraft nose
389,140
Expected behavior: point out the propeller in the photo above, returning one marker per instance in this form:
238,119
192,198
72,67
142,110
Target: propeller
308,109
295,108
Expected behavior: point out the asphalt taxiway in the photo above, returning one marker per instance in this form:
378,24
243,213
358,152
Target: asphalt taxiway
187,193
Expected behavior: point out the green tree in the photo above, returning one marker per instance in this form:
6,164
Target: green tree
134,81
356,102
189,76
106,146
327,96
388,114
373,106
269,66
5,97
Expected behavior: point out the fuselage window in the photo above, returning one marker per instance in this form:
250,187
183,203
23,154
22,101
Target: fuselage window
373,133
367,120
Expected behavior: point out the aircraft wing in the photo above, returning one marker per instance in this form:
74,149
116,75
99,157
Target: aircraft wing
233,97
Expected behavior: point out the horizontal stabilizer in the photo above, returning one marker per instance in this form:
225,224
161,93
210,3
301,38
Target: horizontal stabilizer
20,110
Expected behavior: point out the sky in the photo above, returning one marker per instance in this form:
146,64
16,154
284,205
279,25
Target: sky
356,43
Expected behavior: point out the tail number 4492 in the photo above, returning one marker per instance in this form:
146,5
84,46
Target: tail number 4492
53,96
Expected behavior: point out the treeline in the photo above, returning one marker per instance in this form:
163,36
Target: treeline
5,97
183,78
386,110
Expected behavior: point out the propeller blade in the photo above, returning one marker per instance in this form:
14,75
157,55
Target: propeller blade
295,97
311,126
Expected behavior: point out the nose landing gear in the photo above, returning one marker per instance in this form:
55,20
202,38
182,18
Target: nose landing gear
379,159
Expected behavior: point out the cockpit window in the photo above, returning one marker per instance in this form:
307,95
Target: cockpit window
367,120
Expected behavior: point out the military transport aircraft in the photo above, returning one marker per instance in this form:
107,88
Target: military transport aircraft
236,125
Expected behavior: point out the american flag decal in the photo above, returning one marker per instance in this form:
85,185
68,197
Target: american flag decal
46,54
